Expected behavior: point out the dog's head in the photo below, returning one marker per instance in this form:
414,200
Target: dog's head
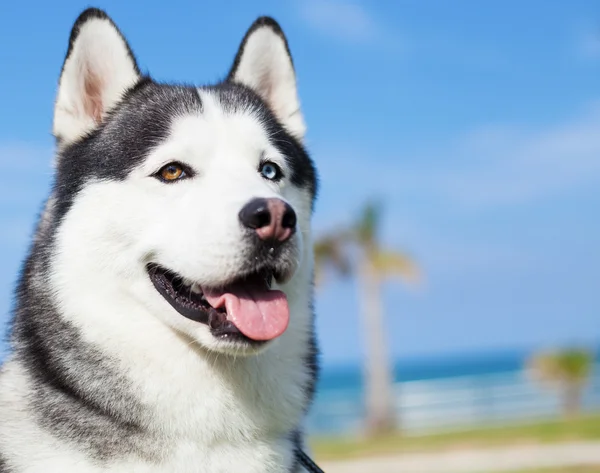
194,202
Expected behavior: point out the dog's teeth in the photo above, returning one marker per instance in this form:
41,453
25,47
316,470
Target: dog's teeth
196,288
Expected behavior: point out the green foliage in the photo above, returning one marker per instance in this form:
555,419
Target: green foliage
330,251
390,264
568,366
566,370
367,225
336,250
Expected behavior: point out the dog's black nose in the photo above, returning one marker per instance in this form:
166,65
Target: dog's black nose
272,219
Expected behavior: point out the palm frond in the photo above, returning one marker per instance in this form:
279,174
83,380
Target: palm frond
388,264
331,252
367,225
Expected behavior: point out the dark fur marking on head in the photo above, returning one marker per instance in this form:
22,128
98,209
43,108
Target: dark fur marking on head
235,97
143,119
125,138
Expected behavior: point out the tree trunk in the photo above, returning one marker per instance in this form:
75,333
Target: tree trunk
571,399
381,415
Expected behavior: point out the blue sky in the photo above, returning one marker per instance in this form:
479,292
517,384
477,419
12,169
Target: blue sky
476,123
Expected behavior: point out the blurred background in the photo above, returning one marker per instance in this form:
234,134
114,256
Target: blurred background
457,226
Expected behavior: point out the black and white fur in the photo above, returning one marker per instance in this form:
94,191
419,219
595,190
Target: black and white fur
105,375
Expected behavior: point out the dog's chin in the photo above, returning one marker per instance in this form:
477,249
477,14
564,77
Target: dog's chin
218,312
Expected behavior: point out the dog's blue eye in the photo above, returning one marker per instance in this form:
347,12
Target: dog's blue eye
270,171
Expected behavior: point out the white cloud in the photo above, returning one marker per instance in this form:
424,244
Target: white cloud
588,43
527,166
487,167
345,20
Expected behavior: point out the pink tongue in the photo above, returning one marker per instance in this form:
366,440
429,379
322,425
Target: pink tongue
257,312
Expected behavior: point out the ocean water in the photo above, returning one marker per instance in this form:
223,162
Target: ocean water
443,393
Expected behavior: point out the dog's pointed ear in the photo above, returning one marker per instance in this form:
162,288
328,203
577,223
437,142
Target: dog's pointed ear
264,64
98,69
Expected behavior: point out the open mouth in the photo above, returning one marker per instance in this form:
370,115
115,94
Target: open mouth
246,310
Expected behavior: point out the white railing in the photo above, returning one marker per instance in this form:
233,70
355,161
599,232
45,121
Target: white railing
450,403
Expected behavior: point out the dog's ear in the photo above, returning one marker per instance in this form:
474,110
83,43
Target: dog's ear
264,64
98,69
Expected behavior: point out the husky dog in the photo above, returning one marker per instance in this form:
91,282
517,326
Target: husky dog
163,318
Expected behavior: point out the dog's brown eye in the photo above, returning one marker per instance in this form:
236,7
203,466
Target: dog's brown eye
172,172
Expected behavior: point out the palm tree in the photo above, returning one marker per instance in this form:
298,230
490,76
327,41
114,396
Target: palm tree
371,264
567,370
